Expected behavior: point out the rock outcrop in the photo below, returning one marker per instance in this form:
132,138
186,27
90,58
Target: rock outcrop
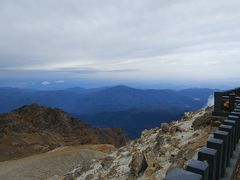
35,129
154,153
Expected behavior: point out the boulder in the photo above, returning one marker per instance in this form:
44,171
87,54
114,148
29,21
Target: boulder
165,127
173,130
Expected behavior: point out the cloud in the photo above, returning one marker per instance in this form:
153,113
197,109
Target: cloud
210,101
59,81
183,39
92,70
45,83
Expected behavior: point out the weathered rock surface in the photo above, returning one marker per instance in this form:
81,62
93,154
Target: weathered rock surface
154,153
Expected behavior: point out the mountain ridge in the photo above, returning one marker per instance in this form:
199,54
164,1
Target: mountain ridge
33,129
123,97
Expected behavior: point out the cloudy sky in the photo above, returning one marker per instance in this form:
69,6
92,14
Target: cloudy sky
138,39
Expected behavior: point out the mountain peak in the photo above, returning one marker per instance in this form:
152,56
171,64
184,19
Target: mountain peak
122,88
33,106
35,128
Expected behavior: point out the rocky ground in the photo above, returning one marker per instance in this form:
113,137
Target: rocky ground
150,157
154,153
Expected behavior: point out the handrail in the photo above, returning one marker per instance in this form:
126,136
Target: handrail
219,158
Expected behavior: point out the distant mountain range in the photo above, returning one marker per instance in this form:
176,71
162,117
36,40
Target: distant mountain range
119,106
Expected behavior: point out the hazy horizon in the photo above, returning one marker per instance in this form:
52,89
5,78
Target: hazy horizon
91,84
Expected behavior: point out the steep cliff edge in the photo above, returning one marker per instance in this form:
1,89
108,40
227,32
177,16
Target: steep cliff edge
155,152
35,129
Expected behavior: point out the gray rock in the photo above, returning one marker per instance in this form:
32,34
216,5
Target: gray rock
107,162
138,164
165,127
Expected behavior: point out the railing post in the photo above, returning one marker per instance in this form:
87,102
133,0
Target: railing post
223,135
218,102
198,167
217,144
236,117
238,92
232,97
229,129
177,174
209,155
234,125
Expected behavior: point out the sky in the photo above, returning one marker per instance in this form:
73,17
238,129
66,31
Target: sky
57,41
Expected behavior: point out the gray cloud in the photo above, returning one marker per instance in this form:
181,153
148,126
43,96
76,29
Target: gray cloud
182,39
92,70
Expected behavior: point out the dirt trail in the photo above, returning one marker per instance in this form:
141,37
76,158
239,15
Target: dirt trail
43,166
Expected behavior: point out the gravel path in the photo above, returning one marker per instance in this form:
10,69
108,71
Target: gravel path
43,166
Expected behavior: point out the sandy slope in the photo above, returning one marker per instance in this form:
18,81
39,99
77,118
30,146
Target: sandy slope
56,162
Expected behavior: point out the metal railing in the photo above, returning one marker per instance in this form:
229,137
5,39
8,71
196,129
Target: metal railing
219,158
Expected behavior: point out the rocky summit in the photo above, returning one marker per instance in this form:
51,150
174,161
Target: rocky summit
36,129
152,155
